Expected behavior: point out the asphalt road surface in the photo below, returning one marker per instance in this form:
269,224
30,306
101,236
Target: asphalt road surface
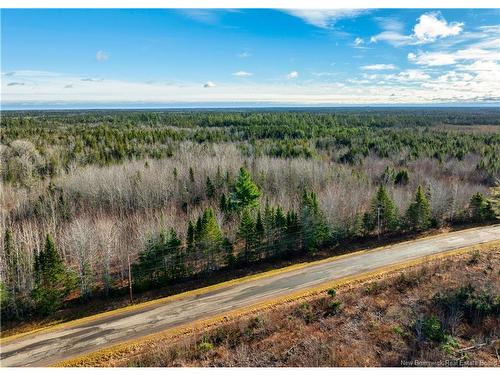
45,348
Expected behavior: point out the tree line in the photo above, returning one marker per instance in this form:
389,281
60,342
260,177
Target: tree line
46,145
263,233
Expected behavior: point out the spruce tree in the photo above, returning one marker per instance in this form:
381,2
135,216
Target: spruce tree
245,192
209,188
259,228
210,237
481,209
384,212
418,215
52,281
269,229
246,232
176,254
223,204
314,228
228,250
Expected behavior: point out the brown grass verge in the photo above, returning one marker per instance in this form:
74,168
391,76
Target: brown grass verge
120,354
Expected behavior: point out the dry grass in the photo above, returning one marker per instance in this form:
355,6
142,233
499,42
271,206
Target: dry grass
374,326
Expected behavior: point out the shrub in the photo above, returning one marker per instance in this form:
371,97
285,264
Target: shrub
431,329
332,292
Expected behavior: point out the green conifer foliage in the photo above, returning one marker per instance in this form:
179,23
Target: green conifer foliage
315,231
418,215
383,212
246,232
52,281
245,193
209,188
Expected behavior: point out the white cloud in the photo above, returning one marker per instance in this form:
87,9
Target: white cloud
379,67
101,56
324,18
358,42
209,84
431,26
292,75
450,58
406,76
244,54
392,37
242,73
475,82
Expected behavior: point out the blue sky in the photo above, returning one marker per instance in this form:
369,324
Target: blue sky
295,57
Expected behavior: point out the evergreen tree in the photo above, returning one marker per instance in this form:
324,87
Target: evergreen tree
314,228
384,212
245,192
176,255
402,177
259,233
269,229
209,188
229,255
280,230
246,232
292,230
52,281
418,215
210,237
481,209
224,204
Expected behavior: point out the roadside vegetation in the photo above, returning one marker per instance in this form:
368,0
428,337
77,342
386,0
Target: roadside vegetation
442,313
91,199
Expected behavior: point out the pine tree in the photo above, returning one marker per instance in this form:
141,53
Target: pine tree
223,205
210,237
269,229
245,192
314,228
481,209
402,177
246,232
209,188
52,281
259,227
418,215
384,212
174,250
292,230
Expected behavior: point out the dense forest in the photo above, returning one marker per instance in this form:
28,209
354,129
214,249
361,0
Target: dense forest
183,194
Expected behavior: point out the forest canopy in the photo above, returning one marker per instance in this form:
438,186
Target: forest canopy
184,194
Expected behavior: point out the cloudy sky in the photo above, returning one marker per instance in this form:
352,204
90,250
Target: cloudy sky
141,58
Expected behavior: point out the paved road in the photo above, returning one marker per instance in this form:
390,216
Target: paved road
41,349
